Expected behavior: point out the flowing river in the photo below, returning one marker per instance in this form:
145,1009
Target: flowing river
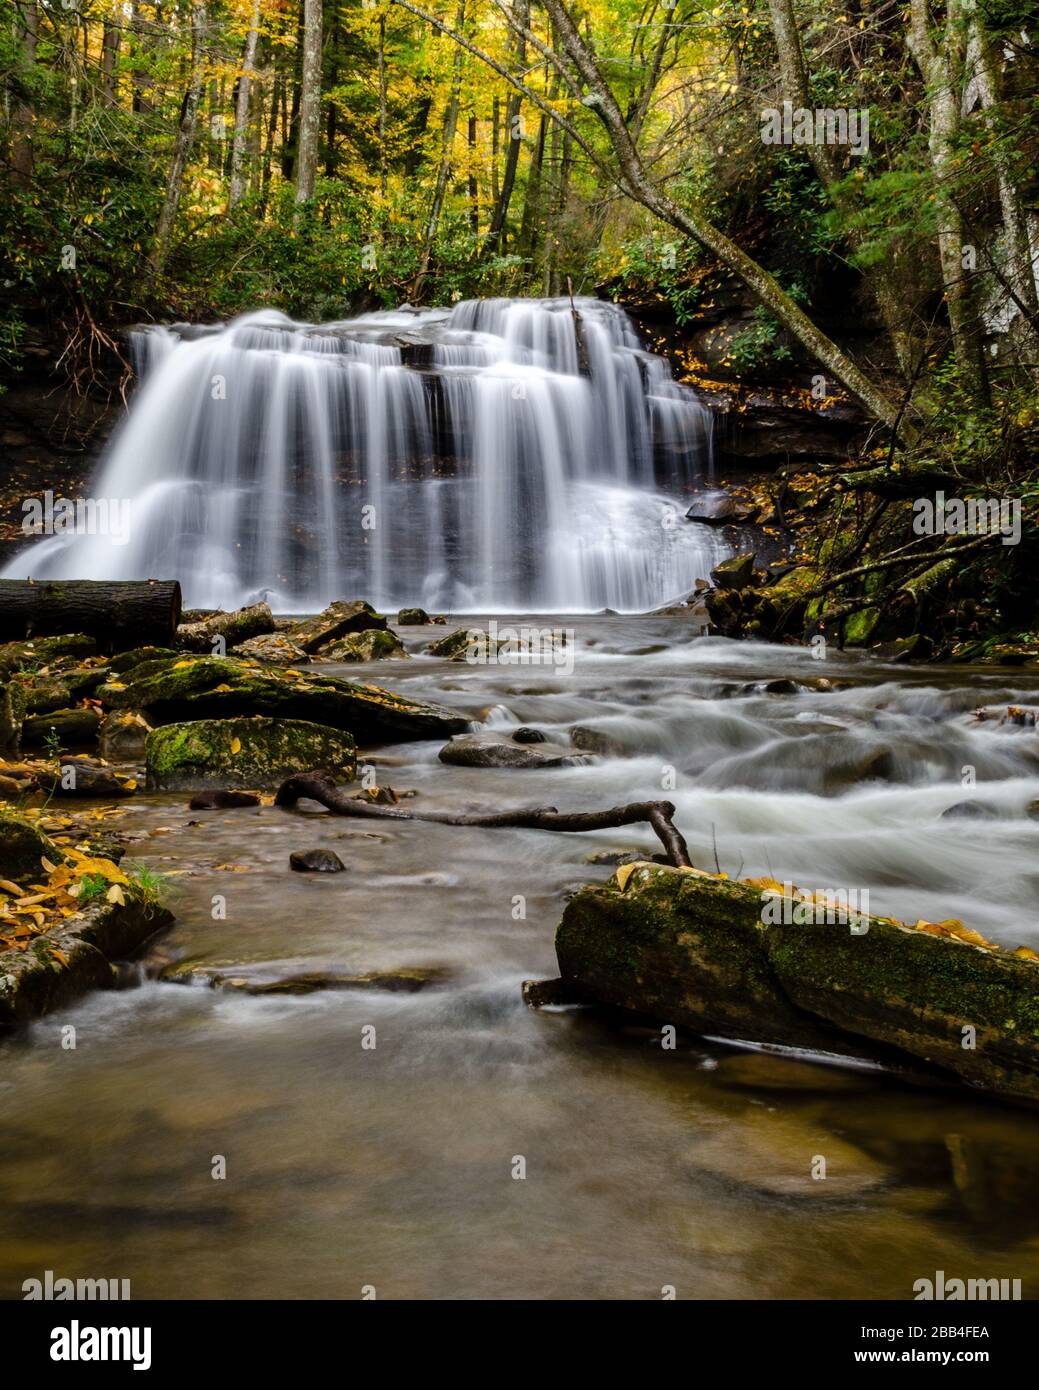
392,1167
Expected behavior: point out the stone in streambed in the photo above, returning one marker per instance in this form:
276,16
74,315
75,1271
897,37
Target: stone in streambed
525,734
374,644
408,979
230,628
416,617
487,749
312,634
274,649
22,847
71,727
221,799
766,1071
243,753
121,735
316,861
590,740
82,776
970,810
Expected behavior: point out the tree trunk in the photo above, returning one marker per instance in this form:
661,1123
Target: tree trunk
22,117
444,172
310,102
764,285
940,72
795,90
241,120
1015,224
495,238
382,107
185,138
109,57
120,615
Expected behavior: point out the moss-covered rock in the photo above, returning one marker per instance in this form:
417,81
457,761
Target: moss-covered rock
243,753
12,713
272,648
336,621
22,846
37,652
125,661
373,645
209,687
692,949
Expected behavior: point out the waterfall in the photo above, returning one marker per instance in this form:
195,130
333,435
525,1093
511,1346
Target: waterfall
498,455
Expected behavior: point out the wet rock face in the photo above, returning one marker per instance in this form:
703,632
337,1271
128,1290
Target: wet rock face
121,735
243,752
316,861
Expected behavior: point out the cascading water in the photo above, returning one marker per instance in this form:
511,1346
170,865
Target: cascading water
500,455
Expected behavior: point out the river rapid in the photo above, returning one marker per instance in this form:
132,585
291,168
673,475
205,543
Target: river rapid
394,1167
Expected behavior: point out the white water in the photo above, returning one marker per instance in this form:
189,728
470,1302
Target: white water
453,458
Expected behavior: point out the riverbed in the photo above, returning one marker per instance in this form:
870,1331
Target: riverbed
373,1140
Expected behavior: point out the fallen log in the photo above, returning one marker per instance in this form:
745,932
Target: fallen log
692,949
119,614
319,786
237,626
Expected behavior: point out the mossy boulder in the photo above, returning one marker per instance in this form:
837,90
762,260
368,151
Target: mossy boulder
243,753
272,648
373,645
696,950
210,687
43,651
22,846
125,661
336,621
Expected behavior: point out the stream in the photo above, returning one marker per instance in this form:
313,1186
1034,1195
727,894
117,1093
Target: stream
393,1167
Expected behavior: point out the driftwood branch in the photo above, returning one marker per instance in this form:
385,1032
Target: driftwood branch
319,786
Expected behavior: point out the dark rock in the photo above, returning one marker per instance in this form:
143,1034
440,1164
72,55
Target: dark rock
274,648
71,727
537,994
781,687
734,573
336,621
970,810
486,749
374,644
222,799
78,777
712,508
525,734
121,735
416,617
409,979
316,861
590,740
616,856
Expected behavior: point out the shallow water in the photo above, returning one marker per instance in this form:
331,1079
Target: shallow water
393,1167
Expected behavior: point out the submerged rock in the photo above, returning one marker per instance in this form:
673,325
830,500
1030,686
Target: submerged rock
408,979
81,776
970,810
525,734
220,799
316,861
243,752
487,749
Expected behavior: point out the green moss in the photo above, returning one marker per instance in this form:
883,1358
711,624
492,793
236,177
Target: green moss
243,752
22,846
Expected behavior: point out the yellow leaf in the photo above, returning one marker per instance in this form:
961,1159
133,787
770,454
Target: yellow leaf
236,745
115,895
179,665
624,872
116,685
130,784
59,955
50,868
9,887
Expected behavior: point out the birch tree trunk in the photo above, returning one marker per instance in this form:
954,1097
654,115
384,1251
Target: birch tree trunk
241,120
310,102
938,69
109,57
185,138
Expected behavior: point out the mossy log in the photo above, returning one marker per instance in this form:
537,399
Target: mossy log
692,949
117,614
210,687
232,628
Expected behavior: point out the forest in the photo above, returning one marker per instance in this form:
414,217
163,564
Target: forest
519,653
